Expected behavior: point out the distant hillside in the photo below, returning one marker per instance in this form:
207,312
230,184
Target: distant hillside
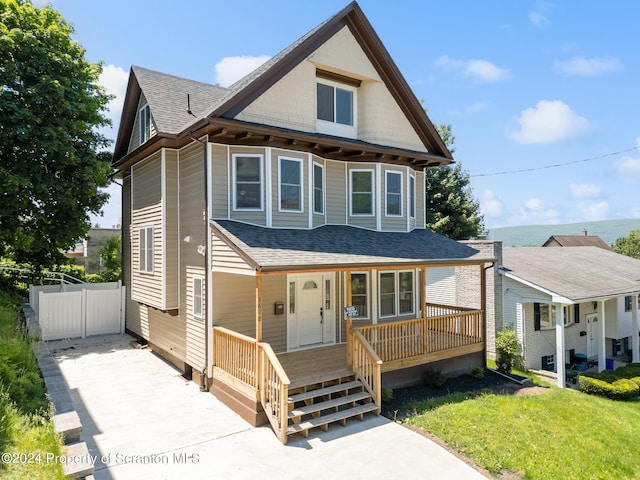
536,235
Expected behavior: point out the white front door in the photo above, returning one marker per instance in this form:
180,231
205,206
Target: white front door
593,335
311,317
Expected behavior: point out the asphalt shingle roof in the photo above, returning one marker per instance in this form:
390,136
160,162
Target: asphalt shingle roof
340,245
577,273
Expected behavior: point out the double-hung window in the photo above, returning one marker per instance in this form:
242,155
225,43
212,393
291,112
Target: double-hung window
197,296
318,188
248,183
145,124
360,294
394,194
290,173
145,249
361,192
396,293
336,109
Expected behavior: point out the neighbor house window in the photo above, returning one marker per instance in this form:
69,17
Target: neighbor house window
396,293
318,188
543,315
197,296
290,174
412,196
145,249
627,303
360,294
361,192
336,108
394,194
247,178
145,124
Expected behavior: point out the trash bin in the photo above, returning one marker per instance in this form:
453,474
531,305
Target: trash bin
609,363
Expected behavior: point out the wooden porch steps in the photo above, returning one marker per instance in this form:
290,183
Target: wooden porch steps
330,401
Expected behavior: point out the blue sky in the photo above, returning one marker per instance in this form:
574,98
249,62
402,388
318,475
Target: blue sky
545,91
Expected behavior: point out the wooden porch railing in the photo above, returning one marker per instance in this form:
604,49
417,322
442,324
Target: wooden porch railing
236,355
274,391
367,367
409,338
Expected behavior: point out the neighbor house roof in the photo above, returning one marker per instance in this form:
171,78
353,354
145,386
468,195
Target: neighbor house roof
213,108
575,273
576,241
336,246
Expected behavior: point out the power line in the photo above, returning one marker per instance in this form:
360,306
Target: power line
532,169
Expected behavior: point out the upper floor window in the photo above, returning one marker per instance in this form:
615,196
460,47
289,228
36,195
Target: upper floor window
145,124
336,109
412,196
361,192
247,181
394,194
145,249
290,173
318,188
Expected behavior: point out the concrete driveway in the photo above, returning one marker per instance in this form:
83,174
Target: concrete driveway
142,420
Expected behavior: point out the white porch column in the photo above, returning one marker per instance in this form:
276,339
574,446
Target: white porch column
635,327
560,345
602,347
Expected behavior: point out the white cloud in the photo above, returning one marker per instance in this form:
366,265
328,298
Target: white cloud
114,80
537,210
231,69
549,121
585,190
588,67
628,167
479,70
538,20
491,204
594,212
478,107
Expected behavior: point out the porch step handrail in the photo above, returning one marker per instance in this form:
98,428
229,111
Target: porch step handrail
274,390
236,354
367,367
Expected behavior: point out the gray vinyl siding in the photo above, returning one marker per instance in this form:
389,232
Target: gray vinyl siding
221,181
289,219
250,216
224,258
234,302
319,219
392,223
336,206
420,200
170,241
134,141
146,178
441,285
274,327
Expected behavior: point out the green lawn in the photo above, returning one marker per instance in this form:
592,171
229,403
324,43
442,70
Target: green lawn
26,431
561,434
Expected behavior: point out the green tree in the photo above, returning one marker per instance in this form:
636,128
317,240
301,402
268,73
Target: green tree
111,254
629,245
452,209
50,108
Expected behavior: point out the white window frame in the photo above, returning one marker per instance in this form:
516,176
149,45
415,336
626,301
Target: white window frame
197,296
145,249
386,194
234,181
367,296
396,293
372,193
412,196
281,184
334,128
313,188
144,116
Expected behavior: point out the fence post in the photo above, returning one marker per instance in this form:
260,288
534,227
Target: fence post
83,313
123,303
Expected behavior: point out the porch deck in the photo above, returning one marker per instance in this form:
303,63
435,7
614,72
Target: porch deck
315,365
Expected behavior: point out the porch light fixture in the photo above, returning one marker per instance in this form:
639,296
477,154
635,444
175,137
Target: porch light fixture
201,249
595,305
187,239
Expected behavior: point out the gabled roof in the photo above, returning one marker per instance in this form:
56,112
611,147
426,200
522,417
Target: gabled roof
335,246
214,108
576,273
576,241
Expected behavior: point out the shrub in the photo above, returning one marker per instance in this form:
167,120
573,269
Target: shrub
434,378
508,350
387,395
621,389
478,372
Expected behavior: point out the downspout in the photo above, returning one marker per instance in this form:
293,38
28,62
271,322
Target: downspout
203,371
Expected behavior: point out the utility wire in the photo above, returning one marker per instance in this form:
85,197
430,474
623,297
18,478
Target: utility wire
532,169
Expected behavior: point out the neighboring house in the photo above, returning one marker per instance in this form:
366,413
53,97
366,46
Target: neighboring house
273,232
571,300
576,241
87,252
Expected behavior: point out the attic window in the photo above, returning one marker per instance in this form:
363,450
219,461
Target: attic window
145,124
336,108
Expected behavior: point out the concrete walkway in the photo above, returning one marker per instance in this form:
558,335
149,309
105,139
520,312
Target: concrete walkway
142,420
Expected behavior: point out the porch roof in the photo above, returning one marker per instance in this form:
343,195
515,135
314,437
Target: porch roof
576,273
341,246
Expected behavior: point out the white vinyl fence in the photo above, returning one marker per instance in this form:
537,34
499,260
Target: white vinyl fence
72,311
